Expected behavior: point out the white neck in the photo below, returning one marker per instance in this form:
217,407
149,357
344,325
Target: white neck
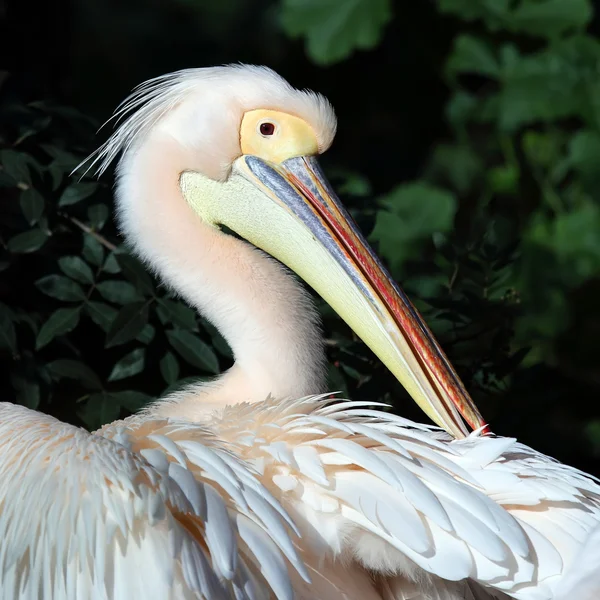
264,314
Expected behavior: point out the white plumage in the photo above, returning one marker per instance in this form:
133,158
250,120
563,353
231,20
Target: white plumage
237,488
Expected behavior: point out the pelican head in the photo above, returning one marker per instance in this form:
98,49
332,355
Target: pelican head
248,145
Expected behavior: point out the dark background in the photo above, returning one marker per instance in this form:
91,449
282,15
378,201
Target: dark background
509,283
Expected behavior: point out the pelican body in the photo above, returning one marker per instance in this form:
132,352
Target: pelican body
259,485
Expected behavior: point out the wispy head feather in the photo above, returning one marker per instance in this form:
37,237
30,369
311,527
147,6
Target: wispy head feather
250,85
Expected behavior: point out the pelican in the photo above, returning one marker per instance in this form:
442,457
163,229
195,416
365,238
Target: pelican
259,485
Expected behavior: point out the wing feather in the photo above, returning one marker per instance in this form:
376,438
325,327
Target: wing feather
376,491
142,509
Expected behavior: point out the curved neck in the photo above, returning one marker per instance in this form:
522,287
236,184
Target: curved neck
264,314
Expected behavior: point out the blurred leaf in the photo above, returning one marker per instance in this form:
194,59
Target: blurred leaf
493,12
60,322
119,292
147,334
74,369
351,183
102,314
171,312
61,288
100,409
335,28
336,381
457,164
98,214
76,193
92,250
584,153
472,55
136,273
592,432
460,109
562,72
8,337
542,148
131,364
65,160
76,268
28,392
28,241
169,368
128,324
32,205
414,212
573,237
503,179
194,350
131,400
550,18
15,165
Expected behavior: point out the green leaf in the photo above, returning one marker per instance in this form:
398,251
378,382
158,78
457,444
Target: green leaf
415,211
336,381
92,250
8,336
60,322
353,184
194,350
76,193
542,148
550,18
28,392
572,237
461,109
119,292
169,368
564,71
98,214
111,265
128,324
65,160
131,400
472,55
218,341
28,241
99,410
102,314
131,364
456,164
584,150
146,335
32,205
61,288
503,179
76,268
335,28
172,312
57,173
493,12
15,165
135,272
74,369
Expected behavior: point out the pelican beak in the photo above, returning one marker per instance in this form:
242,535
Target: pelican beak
290,211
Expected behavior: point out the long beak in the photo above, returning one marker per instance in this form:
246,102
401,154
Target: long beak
305,226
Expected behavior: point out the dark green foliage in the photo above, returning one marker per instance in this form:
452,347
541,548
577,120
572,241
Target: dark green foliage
494,231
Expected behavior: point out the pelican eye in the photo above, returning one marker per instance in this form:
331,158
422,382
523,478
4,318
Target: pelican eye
267,128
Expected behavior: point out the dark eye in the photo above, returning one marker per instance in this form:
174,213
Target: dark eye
267,128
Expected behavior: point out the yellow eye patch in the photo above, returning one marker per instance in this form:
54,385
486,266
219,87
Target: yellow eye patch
276,136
